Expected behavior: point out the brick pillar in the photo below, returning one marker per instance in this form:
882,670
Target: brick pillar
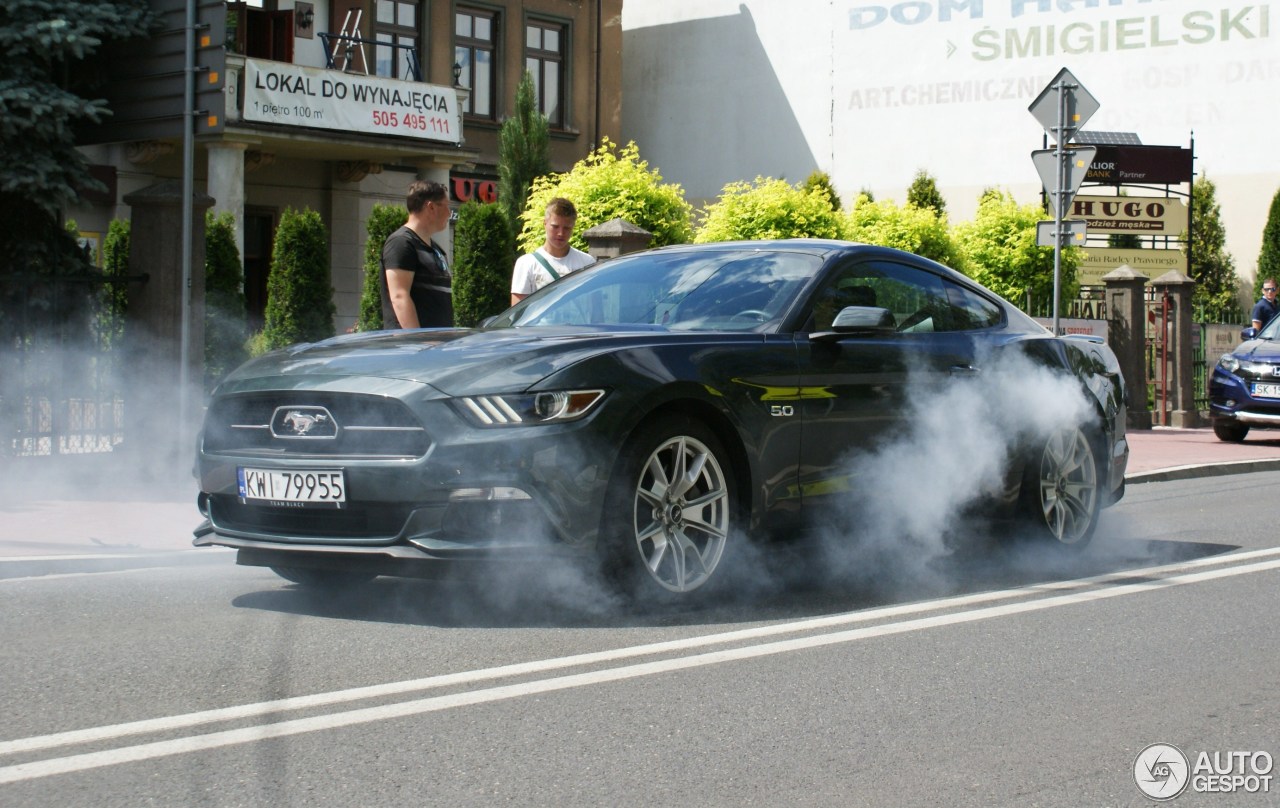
1127,336
614,238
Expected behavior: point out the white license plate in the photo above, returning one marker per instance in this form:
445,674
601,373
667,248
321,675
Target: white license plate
297,488
1266,391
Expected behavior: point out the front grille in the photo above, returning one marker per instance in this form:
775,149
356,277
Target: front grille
380,520
368,426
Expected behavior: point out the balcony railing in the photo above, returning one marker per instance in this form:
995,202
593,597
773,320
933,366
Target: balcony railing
349,53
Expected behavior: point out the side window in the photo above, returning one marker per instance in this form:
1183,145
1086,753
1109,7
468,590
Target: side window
970,311
919,300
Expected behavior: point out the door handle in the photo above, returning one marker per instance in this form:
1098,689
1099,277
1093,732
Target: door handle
965,370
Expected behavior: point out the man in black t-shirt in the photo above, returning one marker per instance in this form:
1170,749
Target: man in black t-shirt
416,284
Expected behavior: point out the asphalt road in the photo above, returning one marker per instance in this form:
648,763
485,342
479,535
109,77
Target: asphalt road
992,676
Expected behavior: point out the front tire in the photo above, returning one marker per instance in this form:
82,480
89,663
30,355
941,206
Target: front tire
1230,431
1063,494
671,510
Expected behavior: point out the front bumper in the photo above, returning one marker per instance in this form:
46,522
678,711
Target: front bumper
1230,400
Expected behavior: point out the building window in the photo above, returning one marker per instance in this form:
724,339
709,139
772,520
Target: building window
544,58
395,28
475,35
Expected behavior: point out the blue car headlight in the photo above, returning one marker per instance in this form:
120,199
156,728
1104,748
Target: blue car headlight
528,409
1229,363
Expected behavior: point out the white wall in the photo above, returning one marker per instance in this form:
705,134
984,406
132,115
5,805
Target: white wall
721,90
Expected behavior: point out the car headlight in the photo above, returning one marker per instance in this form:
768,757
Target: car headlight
527,409
1229,363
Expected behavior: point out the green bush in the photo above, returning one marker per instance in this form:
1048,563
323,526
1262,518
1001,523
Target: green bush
610,184
299,287
914,229
821,180
769,209
523,149
1000,252
225,323
483,254
1269,255
382,222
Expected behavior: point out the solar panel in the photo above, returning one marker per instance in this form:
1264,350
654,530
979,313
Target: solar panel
1108,138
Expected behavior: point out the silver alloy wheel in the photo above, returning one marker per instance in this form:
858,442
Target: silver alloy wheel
1068,495
681,514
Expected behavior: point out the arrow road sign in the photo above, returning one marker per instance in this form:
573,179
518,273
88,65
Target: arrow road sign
1071,235
1079,108
1078,159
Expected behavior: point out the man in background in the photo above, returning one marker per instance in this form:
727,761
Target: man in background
416,284
1267,307
555,258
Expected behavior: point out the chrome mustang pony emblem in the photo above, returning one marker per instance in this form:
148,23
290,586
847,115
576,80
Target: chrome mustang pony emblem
303,422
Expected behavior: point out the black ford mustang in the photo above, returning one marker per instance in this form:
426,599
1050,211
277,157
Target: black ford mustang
651,412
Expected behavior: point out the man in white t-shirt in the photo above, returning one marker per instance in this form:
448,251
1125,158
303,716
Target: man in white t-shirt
555,258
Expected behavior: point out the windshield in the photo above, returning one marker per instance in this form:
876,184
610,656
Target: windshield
728,290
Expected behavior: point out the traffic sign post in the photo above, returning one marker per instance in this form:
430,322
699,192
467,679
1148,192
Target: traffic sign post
1062,108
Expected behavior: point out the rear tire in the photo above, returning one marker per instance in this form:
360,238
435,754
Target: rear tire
670,511
322,579
1061,489
1230,431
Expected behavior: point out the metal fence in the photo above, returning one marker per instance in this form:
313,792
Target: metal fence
62,356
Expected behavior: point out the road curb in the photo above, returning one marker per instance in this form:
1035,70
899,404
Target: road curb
1203,470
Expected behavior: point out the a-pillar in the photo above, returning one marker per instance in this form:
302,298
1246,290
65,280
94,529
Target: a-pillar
226,184
1182,395
161,418
1127,336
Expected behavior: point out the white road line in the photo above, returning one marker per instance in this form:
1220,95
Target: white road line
62,575
94,734
70,737
148,751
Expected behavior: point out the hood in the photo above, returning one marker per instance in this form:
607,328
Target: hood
1258,350
453,361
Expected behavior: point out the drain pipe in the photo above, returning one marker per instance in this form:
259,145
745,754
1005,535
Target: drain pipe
188,207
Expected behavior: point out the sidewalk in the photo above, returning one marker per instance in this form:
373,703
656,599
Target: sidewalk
86,516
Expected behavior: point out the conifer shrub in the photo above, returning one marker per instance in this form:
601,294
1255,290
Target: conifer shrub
382,222
299,285
483,255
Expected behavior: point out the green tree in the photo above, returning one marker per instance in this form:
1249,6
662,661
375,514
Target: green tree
523,150
923,193
382,222
299,287
483,254
610,183
821,180
769,209
1212,267
1000,252
225,322
109,323
916,230
1269,256
48,76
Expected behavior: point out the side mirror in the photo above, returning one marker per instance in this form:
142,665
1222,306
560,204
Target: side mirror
1248,332
854,320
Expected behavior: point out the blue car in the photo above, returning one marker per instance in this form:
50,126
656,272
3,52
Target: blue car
1244,390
